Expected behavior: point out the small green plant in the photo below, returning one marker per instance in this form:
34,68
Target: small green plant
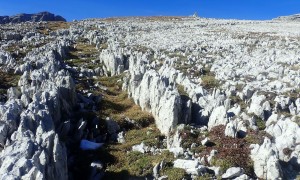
139,164
174,173
224,164
261,124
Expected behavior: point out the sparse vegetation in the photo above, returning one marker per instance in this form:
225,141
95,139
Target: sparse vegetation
7,80
239,101
209,81
231,151
52,26
117,105
223,163
181,90
137,164
261,124
82,54
174,173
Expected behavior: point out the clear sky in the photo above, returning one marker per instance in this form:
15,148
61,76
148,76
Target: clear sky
76,9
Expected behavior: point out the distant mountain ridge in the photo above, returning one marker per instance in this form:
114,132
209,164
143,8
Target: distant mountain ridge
295,17
42,16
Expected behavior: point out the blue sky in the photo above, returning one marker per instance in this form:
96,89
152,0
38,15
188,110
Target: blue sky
75,9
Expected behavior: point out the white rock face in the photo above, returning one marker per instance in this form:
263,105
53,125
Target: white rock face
233,173
113,60
141,148
7,60
287,136
217,117
190,166
266,161
231,130
256,105
153,94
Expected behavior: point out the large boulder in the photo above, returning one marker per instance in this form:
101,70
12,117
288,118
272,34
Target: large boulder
266,161
217,117
190,166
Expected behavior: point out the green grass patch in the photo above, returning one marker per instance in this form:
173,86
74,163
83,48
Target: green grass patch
136,164
261,124
174,173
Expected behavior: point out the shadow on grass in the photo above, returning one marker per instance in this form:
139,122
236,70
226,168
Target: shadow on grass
83,160
122,175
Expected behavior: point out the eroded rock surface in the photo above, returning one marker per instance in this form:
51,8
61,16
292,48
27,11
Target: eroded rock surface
232,85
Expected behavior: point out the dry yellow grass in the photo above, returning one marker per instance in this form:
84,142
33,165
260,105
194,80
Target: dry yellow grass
53,26
117,105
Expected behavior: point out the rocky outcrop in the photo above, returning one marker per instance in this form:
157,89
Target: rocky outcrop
190,166
154,94
233,173
266,161
38,17
31,146
295,17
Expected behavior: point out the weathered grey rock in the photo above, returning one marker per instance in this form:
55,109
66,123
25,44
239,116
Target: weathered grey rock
256,105
121,138
6,60
217,117
283,102
190,166
295,17
13,93
266,161
231,130
156,169
163,102
233,173
42,16
114,61
174,143
242,177
141,148
286,135
34,150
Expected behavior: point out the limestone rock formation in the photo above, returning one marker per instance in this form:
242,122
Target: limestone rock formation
212,86
295,17
42,16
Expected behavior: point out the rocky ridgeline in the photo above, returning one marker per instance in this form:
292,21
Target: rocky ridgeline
225,88
38,17
295,17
